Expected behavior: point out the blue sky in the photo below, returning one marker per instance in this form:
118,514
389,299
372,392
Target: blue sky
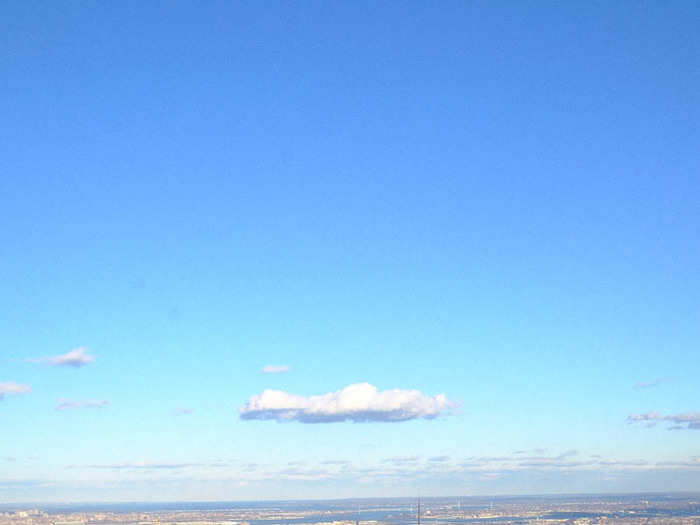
496,202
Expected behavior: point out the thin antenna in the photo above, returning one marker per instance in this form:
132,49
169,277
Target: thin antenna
418,510
357,521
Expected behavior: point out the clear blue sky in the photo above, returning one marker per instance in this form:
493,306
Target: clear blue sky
494,201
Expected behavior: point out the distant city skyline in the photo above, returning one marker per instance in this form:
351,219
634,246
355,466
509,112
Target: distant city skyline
348,249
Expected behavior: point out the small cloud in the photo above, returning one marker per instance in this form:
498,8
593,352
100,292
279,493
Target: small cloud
641,385
439,459
76,358
649,416
13,389
687,417
684,421
67,404
567,454
184,410
276,369
399,460
359,403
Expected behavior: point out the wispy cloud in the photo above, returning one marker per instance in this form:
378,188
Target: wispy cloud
686,420
649,416
11,388
76,358
276,369
359,403
401,460
67,404
490,467
531,451
22,484
137,465
184,410
420,472
641,385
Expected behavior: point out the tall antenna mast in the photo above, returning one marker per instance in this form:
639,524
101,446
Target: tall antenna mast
418,510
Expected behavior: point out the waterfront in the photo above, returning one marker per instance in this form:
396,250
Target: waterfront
575,509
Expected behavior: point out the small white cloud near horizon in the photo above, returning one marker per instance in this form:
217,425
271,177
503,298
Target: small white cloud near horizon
13,389
67,404
276,369
76,358
144,465
359,403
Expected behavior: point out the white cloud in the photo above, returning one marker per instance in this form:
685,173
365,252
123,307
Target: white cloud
13,389
360,402
67,404
76,358
691,420
275,369
184,410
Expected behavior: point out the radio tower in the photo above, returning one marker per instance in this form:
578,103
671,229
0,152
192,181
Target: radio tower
418,510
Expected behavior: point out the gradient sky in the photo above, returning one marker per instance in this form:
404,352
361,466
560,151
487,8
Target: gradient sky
494,201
